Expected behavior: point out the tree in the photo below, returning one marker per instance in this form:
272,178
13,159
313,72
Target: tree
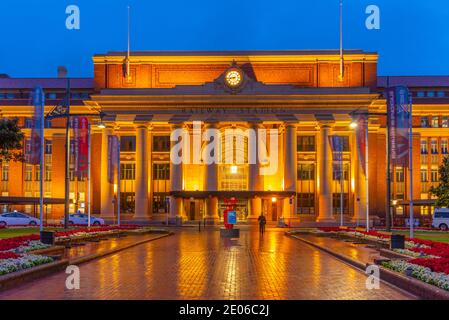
442,190
11,140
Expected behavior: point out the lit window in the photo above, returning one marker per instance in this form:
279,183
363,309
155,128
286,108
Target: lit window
424,122
444,146
420,94
431,94
435,122
440,94
445,122
434,146
424,147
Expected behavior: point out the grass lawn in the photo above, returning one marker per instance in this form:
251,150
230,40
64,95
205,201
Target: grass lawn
427,235
18,231
15,232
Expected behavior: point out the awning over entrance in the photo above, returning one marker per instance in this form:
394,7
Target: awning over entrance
29,200
229,194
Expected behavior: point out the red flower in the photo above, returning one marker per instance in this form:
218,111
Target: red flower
8,255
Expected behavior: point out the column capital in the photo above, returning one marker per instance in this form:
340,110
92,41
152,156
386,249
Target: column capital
143,125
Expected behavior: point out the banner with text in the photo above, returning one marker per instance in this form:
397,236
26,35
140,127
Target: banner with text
398,108
81,148
360,136
36,131
113,145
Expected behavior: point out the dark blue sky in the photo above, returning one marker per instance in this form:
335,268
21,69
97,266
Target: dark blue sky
413,39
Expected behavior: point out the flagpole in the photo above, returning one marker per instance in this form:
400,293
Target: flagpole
40,99
118,181
67,160
341,76
341,187
89,155
366,175
410,167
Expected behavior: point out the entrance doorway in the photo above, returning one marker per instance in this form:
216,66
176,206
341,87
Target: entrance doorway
194,209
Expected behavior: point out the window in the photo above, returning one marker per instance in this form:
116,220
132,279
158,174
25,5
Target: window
445,122
434,146
48,147
305,143
160,202
28,123
37,173
161,171
420,94
434,175
5,171
128,144
51,95
161,143
444,146
28,172
424,175
306,203
431,94
127,171
399,174
435,122
424,122
440,94
10,95
306,171
424,147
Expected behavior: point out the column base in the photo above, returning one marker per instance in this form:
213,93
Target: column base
212,221
176,221
326,220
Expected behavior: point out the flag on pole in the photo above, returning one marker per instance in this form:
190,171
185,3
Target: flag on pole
360,136
112,158
80,128
37,124
337,146
398,109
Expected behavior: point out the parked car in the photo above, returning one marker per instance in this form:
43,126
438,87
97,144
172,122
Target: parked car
441,218
82,219
17,218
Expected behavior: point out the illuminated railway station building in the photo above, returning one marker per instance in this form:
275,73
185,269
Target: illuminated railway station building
297,94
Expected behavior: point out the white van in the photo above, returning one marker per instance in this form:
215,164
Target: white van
441,218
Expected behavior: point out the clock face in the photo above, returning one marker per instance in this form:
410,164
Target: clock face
233,78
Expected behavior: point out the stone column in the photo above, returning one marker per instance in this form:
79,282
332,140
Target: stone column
290,162
107,189
325,175
255,179
211,184
359,189
150,170
176,177
290,170
141,195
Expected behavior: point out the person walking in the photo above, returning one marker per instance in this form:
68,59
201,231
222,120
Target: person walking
262,222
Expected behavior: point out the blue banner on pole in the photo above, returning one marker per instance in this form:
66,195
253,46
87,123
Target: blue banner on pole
36,130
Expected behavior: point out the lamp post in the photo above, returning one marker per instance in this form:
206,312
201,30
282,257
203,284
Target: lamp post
354,125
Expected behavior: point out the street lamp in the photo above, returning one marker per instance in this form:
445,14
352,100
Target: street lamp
353,124
101,125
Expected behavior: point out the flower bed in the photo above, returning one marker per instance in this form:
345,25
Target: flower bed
22,262
430,261
422,273
14,254
92,232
